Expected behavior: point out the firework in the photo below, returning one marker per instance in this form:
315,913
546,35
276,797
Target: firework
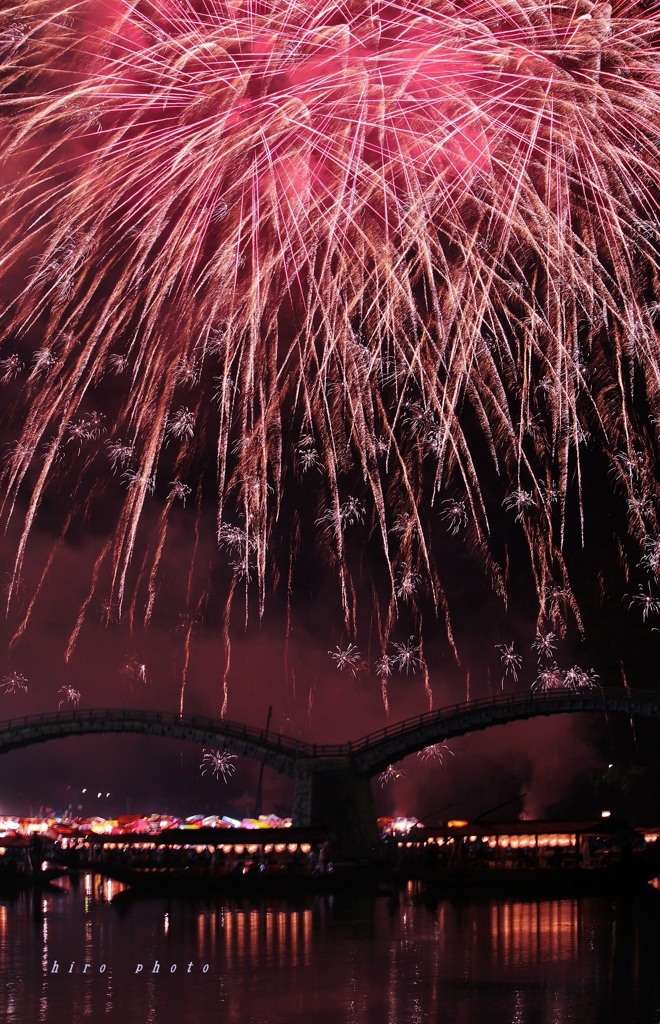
553,678
651,557
68,695
646,601
135,671
408,584
307,456
549,678
454,514
406,657
435,752
179,491
544,645
511,661
577,678
347,659
342,257
10,368
120,455
14,682
218,763
391,774
384,667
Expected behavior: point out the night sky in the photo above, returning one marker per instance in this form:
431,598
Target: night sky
257,412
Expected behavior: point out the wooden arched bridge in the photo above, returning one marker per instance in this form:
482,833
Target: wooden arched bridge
332,781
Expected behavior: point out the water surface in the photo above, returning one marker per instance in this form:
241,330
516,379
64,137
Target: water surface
93,952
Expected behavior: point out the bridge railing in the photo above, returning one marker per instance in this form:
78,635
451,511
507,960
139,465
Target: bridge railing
235,730
486,703
289,745
87,716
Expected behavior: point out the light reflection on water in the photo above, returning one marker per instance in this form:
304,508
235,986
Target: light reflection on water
327,960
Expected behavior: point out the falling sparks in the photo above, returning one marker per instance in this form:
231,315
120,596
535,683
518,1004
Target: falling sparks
350,513
577,678
317,262
408,584
307,456
521,502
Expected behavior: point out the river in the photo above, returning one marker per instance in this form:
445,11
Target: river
96,953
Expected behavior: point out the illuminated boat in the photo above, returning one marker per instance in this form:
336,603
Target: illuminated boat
225,860
532,856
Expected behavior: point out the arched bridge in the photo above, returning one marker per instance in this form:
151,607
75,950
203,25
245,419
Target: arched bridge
332,787
279,752
374,752
367,756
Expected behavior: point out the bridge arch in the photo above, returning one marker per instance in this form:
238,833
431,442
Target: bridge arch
374,752
279,752
366,756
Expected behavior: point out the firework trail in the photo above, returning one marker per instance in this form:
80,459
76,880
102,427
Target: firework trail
347,257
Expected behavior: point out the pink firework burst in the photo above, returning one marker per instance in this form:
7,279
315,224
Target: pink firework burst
423,236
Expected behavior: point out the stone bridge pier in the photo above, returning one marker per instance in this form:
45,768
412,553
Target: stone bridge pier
329,794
